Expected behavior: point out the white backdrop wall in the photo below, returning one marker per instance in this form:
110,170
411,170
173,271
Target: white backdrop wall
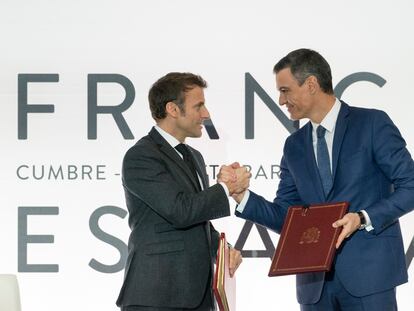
143,40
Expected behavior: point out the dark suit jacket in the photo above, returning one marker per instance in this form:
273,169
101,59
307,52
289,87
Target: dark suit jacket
373,170
172,243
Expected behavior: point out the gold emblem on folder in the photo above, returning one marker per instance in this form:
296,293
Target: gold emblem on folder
311,235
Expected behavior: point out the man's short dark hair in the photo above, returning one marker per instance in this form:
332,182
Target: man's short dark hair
172,88
304,63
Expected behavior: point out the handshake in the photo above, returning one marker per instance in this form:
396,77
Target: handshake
236,178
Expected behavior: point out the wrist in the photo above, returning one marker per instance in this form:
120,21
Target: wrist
362,220
239,196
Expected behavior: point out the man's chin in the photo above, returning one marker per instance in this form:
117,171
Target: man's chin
196,135
294,118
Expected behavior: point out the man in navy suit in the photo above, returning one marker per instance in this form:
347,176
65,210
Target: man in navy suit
343,154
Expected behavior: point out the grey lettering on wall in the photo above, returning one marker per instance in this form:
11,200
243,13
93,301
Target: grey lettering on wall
251,88
115,111
24,239
357,77
264,235
109,239
211,130
23,107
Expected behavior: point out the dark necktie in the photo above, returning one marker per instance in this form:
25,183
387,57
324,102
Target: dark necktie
189,161
323,160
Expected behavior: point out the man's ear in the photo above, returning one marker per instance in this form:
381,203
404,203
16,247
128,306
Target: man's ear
312,84
172,109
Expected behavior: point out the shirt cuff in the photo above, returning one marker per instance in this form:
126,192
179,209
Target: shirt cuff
240,207
368,223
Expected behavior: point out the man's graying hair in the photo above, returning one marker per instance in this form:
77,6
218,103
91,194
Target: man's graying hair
304,63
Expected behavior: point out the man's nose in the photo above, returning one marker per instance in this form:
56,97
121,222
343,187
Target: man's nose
282,100
205,114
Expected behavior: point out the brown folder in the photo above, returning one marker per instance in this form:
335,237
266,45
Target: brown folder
307,241
224,286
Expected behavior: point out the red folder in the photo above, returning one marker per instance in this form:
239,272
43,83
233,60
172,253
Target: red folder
224,286
307,241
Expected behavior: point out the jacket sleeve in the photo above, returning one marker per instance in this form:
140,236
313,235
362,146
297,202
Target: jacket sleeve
148,177
395,162
272,214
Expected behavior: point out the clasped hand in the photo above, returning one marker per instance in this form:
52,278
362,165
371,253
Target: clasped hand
236,178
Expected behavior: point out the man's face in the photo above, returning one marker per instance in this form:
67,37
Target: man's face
296,98
190,121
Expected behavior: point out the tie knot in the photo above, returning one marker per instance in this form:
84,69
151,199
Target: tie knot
183,149
320,131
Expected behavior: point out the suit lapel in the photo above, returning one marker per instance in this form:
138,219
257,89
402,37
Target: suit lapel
340,129
200,167
170,152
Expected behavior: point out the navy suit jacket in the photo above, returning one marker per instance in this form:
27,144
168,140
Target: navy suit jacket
373,170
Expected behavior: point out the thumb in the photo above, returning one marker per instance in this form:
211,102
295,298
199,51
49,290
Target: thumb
339,223
235,165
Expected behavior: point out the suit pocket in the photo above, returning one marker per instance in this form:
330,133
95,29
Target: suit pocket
164,247
391,231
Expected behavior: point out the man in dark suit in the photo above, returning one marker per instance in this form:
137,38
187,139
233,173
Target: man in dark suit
343,154
172,246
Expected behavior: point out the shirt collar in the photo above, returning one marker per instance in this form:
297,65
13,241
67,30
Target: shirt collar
330,119
168,137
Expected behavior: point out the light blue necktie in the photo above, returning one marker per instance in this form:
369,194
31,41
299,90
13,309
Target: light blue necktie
323,160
